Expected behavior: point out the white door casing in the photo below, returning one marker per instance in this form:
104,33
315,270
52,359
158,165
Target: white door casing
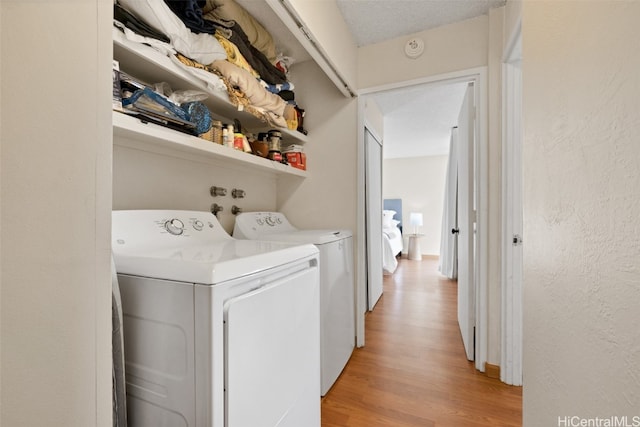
512,239
466,224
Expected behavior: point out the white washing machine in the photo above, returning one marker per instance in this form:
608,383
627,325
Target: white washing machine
218,332
337,308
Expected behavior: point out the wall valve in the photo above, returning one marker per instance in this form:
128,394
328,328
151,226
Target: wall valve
218,191
236,193
215,208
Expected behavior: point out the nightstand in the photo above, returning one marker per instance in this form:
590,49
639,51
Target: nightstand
415,253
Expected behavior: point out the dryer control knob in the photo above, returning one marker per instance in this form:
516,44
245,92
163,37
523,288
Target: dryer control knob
269,220
174,226
198,225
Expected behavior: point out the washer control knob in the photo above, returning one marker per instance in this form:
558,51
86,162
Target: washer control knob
174,226
260,221
198,225
269,220
279,220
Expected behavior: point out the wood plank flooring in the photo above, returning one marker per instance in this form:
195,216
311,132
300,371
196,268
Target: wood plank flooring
413,370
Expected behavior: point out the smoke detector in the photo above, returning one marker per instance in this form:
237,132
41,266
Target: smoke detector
414,47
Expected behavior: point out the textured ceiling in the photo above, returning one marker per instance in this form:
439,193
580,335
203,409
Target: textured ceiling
417,120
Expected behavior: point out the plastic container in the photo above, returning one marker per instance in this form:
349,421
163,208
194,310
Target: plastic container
274,140
216,131
238,141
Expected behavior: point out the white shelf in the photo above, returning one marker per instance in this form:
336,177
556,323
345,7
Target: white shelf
130,132
149,65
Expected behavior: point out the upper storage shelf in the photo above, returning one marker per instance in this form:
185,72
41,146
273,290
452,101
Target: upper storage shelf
130,132
149,65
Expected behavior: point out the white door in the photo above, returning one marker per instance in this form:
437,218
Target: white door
272,354
373,206
466,223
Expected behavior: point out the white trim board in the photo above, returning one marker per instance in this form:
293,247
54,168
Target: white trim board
511,270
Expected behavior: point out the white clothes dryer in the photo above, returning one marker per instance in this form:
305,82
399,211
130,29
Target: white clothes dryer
218,332
337,307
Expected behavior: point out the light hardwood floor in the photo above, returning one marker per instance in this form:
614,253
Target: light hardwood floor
413,370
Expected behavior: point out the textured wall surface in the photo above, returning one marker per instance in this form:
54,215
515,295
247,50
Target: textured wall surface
581,210
55,169
143,180
327,197
459,46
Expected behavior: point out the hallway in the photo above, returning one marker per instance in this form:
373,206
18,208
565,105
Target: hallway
412,370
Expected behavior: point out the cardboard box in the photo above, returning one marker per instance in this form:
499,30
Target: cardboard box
297,160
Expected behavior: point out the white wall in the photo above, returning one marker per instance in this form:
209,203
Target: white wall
512,17
494,273
581,210
459,46
374,120
55,128
327,197
419,182
143,180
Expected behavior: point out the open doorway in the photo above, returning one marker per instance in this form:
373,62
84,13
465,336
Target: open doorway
418,125
390,99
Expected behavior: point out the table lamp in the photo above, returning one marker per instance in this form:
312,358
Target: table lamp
415,219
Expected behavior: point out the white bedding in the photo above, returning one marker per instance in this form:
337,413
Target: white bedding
391,246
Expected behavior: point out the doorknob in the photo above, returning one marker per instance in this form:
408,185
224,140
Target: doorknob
455,231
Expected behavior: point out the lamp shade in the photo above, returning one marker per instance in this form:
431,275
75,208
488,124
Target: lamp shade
415,219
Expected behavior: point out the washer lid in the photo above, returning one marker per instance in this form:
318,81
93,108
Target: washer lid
191,246
208,264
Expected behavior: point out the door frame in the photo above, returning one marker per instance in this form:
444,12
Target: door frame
478,76
512,285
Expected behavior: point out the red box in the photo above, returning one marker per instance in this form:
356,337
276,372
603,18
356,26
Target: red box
297,160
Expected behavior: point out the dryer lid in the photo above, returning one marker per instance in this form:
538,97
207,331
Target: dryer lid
316,237
275,226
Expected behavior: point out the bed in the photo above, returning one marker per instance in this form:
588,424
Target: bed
392,241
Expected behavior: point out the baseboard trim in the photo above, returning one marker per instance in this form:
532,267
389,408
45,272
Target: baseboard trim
492,371
424,256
